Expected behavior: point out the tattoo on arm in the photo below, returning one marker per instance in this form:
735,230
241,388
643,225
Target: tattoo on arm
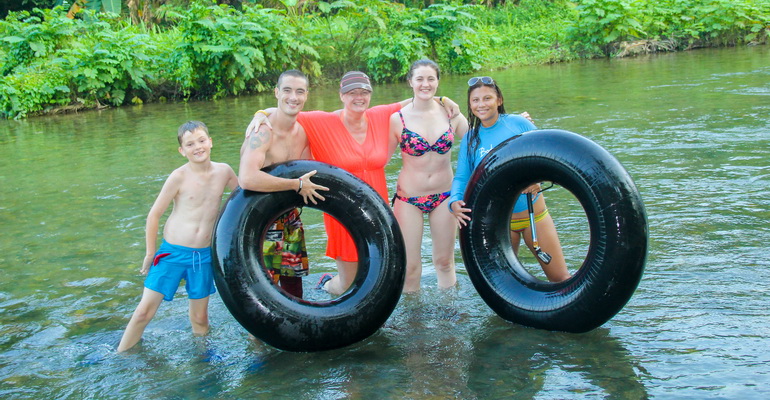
258,139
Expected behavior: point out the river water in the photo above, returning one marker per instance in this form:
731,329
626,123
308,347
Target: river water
691,128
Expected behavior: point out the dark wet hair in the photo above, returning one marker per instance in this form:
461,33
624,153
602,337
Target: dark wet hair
473,121
190,126
423,63
291,72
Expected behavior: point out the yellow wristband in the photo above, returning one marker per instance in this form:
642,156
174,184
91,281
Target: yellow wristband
261,112
441,100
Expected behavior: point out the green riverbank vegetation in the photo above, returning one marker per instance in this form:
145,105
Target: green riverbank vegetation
155,50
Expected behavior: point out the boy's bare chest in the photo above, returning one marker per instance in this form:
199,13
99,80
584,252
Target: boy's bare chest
199,192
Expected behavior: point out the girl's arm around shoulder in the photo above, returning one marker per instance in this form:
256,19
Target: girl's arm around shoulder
394,138
460,126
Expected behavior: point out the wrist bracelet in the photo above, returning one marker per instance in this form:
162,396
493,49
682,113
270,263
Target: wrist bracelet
300,185
441,100
261,112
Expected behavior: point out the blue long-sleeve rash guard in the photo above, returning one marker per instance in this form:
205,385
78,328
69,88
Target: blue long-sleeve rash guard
507,126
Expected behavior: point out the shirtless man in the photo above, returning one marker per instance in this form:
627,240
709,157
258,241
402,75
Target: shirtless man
283,140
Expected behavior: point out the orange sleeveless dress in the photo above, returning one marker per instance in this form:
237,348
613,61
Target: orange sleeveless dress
330,142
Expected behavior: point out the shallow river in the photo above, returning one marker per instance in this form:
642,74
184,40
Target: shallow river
691,128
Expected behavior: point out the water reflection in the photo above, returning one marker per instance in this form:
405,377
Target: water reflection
510,360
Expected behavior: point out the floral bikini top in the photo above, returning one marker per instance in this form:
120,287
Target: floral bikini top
415,145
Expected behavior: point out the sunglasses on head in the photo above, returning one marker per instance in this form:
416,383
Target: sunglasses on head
484,79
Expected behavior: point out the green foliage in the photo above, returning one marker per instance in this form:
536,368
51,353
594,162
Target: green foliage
7,6
224,52
112,6
453,43
102,60
389,56
384,38
345,32
58,61
601,22
26,36
33,89
728,22
207,49
528,32
107,62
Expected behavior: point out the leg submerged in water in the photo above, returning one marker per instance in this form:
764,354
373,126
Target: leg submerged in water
142,316
410,221
443,230
199,316
341,282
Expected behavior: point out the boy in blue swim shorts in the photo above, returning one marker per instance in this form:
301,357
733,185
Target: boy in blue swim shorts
196,190
173,263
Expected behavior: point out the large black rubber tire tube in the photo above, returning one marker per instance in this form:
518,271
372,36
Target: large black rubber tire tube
293,324
614,263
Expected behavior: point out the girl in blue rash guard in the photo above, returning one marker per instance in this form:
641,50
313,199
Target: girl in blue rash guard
490,126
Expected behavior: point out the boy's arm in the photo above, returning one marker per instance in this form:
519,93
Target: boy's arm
232,179
166,196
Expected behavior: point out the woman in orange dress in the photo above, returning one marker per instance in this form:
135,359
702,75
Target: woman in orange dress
363,151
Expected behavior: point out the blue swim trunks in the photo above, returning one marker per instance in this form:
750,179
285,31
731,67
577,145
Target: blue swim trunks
173,263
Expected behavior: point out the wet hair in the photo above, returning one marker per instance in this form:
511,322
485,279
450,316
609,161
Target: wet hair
473,121
291,72
423,63
190,126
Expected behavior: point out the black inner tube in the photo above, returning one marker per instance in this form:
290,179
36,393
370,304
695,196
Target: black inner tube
293,324
617,251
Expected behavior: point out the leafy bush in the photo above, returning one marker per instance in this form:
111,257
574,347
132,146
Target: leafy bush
60,61
201,49
105,64
602,22
384,38
728,22
389,56
224,52
345,33
26,36
452,41
33,89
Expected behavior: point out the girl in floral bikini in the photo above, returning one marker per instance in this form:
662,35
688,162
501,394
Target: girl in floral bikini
425,134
